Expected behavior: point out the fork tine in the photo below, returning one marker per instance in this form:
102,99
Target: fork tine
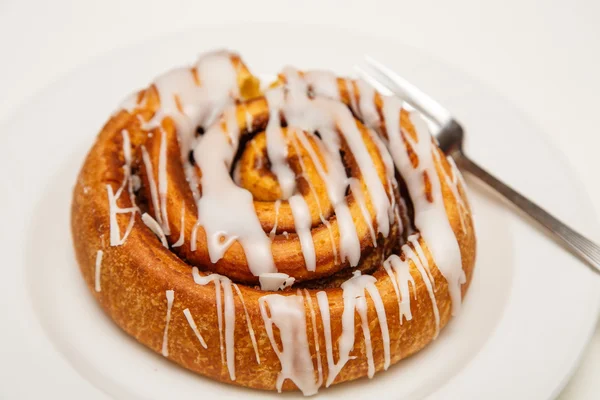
406,90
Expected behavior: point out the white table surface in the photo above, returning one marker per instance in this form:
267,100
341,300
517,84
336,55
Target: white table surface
542,55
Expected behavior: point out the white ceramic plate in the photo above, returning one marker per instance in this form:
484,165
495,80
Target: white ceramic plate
526,320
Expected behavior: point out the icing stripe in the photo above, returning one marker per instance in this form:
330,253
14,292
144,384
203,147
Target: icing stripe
300,134
360,199
181,239
152,184
302,221
335,183
225,315
226,211
114,225
248,322
414,240
287,313
452,180
165,345
313,320
277,150
114,209
430,212
162,182
354,301
399,273
190,320
97,271
417,261
274,230
155,228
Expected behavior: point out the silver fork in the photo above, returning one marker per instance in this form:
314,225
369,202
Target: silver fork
451,137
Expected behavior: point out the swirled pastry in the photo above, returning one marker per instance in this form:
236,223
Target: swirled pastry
292,238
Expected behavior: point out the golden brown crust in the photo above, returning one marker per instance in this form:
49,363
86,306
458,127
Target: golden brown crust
135,276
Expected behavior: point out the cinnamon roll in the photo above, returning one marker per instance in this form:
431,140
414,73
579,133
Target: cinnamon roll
289,238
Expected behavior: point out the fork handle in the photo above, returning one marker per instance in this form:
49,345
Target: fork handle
573,241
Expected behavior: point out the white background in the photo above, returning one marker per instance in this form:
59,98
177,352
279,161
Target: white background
542,55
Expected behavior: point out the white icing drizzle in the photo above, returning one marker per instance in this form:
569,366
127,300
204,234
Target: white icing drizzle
274,230
306,177
330,118
248,322
115,235
390,171
408,229
237,178
192,323
408,252
231,126
142,122
249,119
366,104
354,301
193,236
361,309
190,104
360,200
430,217
323,82
114,210
274,281
414,240
352,96
226,312
399,273
225,210
162,182
452,181
97,271
277,149
392,185
200,104
165,345
136,183
365,109
181,239
287,313
155,228
398,220
127,157
357,146
313,320
152,185
335,183
129,227
192,179
302,222
113,198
